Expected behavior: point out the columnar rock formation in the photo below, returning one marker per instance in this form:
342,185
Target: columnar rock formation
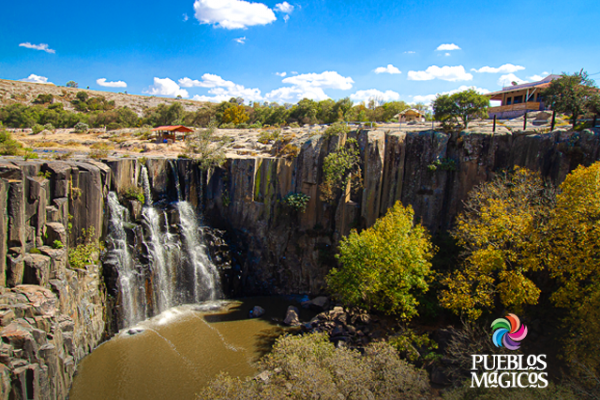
50,315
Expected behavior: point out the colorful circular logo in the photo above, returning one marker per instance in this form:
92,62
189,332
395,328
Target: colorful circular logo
508,332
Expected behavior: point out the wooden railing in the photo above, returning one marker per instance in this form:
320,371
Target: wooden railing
529,106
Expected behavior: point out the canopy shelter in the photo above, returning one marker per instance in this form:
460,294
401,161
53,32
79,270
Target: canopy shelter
517,99
411,115
171,132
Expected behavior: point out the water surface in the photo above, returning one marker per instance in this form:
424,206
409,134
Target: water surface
179,351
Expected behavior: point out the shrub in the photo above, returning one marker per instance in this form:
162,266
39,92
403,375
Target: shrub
57,244
81,127
206,147
311,367
336,129
9,146
100,150
267,136
37,128
297,201
386,266
30,155
87,251
443,164
49,127
134,193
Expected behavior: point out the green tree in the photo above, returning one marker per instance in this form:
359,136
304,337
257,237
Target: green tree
572,252
464,106
384,267
235,115
72,84
500,230
571,94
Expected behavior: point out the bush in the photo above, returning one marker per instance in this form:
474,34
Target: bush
297,201
37,128
443,164
269,135
385,267
49,127
81,127
134,193
100,150
336,129
9,146
30,155
311,367
57,244
87,251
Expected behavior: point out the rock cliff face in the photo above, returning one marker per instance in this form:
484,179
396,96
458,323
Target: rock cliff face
50,315
277,250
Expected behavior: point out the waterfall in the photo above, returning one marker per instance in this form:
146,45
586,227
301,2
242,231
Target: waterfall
146,185
132,293
205,275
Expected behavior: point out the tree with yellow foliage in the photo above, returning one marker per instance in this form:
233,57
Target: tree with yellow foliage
235,114
384,267
500,232
572,253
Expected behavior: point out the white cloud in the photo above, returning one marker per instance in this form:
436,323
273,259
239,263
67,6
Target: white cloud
294,94
378,96
232,14
117,84
185,17
390,69
281,74
410,52
508,79
536,78
447,47
166,87
241,40
505,69
33,78
427,99
284,7
286,18
324,80
220,89
41,46
445,73
447,54
309,86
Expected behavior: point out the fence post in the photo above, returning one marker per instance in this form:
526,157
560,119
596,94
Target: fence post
525,121
553,121
494,129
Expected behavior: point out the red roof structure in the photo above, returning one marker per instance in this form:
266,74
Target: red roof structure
173,128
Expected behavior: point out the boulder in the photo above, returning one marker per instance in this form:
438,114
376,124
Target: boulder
256,312
292,316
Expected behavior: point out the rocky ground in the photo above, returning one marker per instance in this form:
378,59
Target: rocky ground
240,142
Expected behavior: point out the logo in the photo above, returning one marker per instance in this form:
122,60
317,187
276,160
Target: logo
508,332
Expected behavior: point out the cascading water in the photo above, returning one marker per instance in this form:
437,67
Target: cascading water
132,291
205,275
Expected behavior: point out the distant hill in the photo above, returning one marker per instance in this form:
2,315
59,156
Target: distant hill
26,92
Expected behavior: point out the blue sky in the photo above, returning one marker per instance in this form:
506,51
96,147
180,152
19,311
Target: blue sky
286,50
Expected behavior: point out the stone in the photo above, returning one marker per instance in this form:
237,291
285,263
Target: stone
319,303
56,231
256,312
291,316
37,269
